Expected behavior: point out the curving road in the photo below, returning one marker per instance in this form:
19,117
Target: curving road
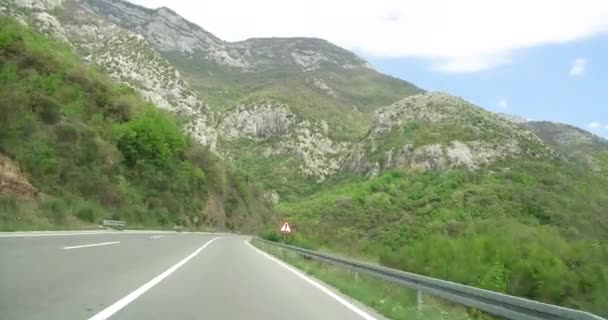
156,275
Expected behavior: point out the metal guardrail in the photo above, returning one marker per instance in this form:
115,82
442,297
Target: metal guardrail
114,223
494,303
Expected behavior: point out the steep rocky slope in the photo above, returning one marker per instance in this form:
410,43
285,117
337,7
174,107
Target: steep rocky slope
124,55
436,131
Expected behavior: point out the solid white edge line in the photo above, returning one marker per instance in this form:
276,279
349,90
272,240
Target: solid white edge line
111,310
91,245
317,285
156,237
84,233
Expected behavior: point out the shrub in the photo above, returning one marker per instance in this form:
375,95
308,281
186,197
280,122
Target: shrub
271,235
48,109
66,133
152,138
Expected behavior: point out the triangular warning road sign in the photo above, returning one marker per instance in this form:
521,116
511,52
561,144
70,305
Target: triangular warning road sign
286,228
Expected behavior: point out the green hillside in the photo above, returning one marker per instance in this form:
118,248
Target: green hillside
452,191
95,150
535,229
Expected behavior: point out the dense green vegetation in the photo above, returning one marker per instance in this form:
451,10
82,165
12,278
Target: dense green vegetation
528,228
275,172
95,150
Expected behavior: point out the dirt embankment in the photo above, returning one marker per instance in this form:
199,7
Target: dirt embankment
13,180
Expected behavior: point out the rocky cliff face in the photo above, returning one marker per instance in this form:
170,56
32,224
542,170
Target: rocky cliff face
260,120
284,133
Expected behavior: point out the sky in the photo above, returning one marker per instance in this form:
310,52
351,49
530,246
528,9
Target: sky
539,59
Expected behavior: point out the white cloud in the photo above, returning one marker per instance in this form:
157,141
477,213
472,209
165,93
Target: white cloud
503,103
578,67
594,125
453,36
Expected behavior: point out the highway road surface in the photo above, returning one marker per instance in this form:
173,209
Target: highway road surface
156,275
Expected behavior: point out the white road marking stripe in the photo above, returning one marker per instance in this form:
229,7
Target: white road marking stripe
92,245
51,234
317,285
156,237
84,233
109,311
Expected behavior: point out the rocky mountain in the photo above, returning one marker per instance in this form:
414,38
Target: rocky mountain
574,143
437,131
169,32
300,101
290,112
232,96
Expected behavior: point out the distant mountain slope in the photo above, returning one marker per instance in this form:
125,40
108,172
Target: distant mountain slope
211,62
572,142
436,131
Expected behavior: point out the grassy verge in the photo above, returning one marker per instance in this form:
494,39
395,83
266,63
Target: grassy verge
390,300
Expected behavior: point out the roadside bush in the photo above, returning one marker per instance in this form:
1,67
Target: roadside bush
271,235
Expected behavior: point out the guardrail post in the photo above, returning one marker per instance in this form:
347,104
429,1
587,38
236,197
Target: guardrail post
419,301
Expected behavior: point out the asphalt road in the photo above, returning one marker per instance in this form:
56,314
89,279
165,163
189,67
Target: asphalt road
157,276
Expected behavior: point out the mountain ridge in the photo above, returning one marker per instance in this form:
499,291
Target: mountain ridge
304,110
190,38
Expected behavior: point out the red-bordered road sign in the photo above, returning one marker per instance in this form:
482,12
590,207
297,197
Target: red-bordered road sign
286,228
